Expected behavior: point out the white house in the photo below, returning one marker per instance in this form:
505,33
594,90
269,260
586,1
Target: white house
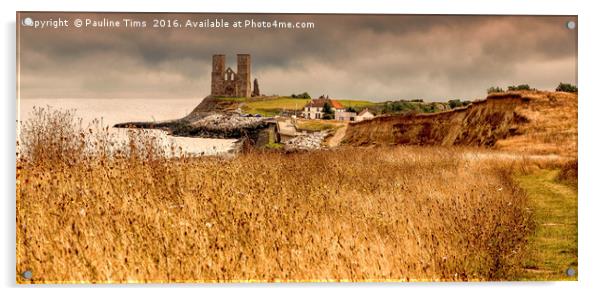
364,115
315,108
345,115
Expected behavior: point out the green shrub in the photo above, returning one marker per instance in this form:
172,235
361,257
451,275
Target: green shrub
455,103
398,106
566,87
303,95
494,89
520,87
328,111
429,108
274,146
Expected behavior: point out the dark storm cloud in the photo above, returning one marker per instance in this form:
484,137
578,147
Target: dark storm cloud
351,56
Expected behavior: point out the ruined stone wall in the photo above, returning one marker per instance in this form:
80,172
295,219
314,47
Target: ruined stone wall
217,74
244,75
226,82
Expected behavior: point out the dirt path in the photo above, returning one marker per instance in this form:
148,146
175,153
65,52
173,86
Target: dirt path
338,136
553,246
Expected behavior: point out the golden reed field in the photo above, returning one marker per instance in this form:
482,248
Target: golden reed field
85,214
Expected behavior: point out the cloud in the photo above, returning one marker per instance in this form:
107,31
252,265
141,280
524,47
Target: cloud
346,56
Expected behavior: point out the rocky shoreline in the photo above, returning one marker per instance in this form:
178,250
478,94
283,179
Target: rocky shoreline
212,120
306,141
221,126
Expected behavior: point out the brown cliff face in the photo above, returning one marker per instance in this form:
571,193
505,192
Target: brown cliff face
211,105
533,122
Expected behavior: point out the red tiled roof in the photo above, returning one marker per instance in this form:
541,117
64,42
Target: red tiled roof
336,104
321,101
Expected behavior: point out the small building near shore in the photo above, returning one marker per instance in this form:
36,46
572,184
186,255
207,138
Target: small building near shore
364,115
286,130
345,115
315,108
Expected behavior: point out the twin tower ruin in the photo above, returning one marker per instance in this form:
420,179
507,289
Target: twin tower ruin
227,83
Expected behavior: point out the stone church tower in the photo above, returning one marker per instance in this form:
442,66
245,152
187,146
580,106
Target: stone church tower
227,83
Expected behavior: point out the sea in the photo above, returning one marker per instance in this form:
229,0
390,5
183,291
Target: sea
112,111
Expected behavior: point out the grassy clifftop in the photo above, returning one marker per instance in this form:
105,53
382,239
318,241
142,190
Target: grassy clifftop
274,105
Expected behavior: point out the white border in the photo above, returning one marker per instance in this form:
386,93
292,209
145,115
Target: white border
590,108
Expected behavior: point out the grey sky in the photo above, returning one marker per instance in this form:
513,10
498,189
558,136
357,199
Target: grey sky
374,57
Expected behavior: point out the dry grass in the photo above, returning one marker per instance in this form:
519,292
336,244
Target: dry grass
552,126
316,125
355,214
569,173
